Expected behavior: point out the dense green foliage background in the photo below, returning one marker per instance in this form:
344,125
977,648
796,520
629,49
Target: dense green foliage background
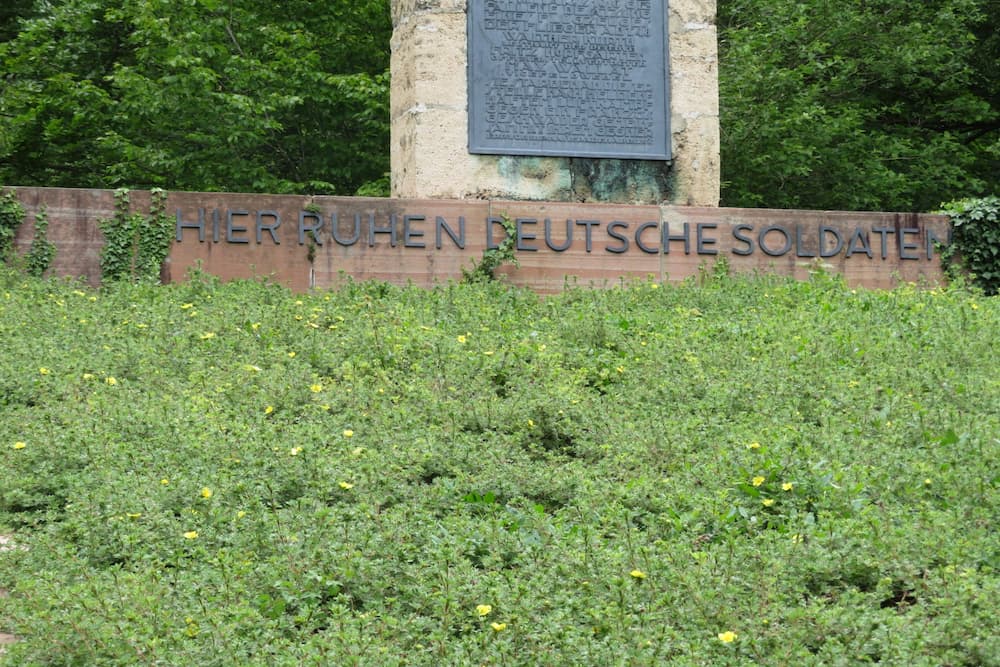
859,105
863,104
205,474
197,95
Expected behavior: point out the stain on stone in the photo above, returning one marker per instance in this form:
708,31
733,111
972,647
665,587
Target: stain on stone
585,180
621,181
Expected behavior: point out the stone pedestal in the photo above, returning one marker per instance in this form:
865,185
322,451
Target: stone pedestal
429,115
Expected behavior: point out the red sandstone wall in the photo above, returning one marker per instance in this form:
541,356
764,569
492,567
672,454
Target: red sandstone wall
246,236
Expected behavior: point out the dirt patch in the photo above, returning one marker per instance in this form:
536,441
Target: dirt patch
6,544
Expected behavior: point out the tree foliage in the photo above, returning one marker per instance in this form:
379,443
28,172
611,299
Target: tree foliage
862,104
198,94
11,13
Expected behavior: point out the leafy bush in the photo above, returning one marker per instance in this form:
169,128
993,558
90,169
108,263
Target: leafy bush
975,246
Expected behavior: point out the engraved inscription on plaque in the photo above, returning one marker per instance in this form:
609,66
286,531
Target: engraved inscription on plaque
574,78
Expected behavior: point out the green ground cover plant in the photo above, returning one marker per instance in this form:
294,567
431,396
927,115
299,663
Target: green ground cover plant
745,471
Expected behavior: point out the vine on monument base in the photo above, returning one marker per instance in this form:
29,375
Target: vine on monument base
42,250
135,245
975,243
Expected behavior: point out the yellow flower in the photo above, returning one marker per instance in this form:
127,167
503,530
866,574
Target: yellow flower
44,371
461,339
111,381
655,286
88,376
348,433
191,535
19,445
768,502
255,326
206,492
347,486
498,627
269,409
291,355
927,481
531,423
164,481
133,515
294,451
757,481
787,486
186,306
206,336
316,388
727,637
483,609
240,514
637,574
754,445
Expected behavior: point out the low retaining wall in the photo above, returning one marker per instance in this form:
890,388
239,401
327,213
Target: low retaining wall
306,242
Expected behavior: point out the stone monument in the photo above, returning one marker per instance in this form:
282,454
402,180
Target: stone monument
556,100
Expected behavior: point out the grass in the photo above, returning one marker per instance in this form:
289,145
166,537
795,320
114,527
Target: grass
733,473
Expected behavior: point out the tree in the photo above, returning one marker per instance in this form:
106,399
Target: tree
862,104
198,94
11,13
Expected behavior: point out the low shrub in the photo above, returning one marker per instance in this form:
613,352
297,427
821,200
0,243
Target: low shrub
743,472
975,247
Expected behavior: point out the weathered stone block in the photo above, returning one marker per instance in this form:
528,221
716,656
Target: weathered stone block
429,111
